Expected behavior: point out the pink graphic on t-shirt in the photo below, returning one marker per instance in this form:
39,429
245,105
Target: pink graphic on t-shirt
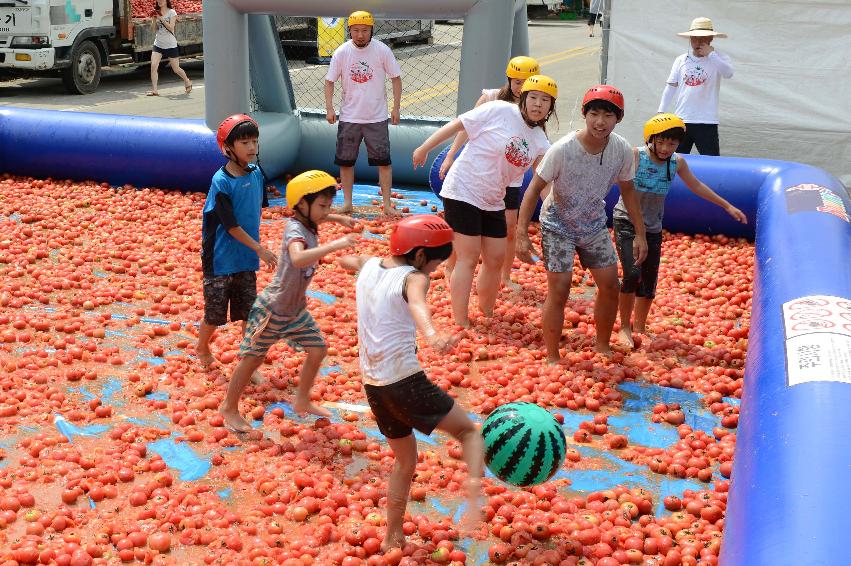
695,76
517,152
361,72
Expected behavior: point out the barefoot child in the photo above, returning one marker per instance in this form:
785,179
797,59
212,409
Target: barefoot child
656,166
505,140
518,70
582,166
280,313
230,232
391,302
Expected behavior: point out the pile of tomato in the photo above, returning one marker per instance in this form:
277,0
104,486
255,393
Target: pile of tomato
147,8
100,296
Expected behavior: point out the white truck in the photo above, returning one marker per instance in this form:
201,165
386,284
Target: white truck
76,38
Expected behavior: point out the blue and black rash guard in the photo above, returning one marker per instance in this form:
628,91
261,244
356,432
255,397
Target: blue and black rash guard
232,202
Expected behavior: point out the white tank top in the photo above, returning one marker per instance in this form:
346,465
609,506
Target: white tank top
386,329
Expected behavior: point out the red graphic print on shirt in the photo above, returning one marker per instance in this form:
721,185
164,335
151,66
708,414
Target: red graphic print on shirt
361,72
695,76
517,152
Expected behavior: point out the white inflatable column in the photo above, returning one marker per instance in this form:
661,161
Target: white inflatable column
226,75
484,49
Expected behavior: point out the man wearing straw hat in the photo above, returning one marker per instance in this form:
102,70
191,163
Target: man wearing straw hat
693,87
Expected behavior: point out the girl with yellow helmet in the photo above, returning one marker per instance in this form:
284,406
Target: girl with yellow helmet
656,166
516,72
505,139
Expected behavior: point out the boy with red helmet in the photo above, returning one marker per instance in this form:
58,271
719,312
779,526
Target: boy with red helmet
392,306
582,166
230,232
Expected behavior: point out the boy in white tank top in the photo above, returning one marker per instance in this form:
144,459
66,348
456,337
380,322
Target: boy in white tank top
391,302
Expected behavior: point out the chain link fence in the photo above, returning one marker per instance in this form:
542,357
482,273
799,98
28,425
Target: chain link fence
428,52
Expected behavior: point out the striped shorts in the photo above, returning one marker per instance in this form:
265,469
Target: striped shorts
265,328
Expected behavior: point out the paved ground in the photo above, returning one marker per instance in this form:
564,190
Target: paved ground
563,48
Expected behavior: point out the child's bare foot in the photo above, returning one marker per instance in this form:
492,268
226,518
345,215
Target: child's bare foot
257,378
512,286
625,336
392,541
302,407
205,357
235,422
604,349
391,212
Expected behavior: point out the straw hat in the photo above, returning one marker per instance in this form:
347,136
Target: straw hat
701,27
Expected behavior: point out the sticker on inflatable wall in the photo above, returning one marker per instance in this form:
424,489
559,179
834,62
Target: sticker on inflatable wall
818,339
809,197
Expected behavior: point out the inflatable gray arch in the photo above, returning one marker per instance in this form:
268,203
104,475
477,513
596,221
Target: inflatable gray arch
242,51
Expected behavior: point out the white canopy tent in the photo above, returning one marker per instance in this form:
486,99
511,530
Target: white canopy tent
790,97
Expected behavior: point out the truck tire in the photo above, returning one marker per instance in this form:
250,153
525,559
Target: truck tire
83,75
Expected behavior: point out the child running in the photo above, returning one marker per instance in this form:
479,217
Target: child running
505,139
230,232
391,303
280,311
582,166
518,70
657,165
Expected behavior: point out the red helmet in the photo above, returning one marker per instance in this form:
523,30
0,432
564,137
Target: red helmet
421,230
227,126
604,92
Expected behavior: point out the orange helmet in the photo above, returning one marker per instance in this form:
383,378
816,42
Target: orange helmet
227,126
604,92
421,230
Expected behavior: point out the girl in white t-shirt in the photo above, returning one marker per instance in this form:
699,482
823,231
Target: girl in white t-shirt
505,140
516,72
165,45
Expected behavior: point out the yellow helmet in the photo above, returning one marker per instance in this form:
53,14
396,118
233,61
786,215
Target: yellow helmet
522,67
361,18
541,83
308,183
661,123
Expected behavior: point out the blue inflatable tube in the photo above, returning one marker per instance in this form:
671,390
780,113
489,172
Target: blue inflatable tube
792,473
139,150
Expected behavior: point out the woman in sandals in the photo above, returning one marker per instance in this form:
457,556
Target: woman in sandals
165,45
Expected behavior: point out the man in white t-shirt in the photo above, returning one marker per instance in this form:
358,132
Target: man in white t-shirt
693,86
363,65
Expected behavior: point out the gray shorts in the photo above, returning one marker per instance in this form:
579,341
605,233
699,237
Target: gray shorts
595,251
376,136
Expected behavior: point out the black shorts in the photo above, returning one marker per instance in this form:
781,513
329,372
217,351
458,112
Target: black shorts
376,136
412,403
167,52
468,220
593,18
512,198
638,279
704,136
237,291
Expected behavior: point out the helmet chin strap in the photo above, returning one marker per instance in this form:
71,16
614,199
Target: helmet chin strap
652,147
233,158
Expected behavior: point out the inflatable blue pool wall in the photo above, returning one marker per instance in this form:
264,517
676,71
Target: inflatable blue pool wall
791,475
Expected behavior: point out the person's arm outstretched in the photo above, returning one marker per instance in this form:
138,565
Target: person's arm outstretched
444,133
522,243
301,257
460,140
700,189
416,288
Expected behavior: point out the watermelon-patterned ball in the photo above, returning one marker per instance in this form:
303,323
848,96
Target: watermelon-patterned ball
524,444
